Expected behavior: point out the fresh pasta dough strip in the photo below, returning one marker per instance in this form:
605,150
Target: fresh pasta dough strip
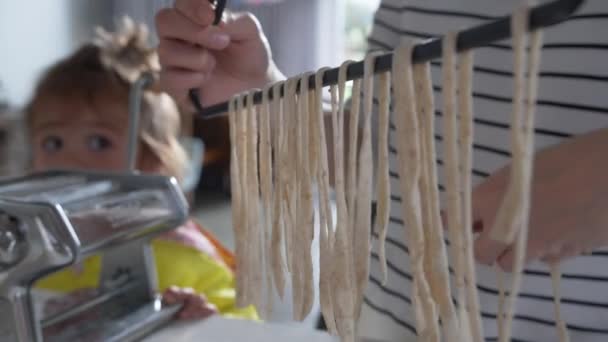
383,178
243,292
313,138
465,105
266,191
502,231
326,256
364,187
524,151
235,189
509,216
287,168
451,169
423,108
352,175
408,158
353,145
437,265
294,194
278,261
255,256
500,311
422,324
562,328
306,221
344,303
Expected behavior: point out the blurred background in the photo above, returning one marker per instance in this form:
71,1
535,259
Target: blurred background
304,35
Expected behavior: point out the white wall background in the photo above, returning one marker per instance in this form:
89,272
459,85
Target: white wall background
35,33
32,33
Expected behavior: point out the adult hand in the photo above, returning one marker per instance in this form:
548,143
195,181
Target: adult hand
219,61
569,204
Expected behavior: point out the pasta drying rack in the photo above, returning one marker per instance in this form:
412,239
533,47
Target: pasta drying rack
54,220
549,14
545,15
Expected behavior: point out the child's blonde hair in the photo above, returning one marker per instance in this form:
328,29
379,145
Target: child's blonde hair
110,65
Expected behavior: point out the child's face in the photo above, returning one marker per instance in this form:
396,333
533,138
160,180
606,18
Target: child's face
69,134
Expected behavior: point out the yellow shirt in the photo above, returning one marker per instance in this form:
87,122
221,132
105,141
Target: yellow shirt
176,265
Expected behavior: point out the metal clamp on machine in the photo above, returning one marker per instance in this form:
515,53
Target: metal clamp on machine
53,220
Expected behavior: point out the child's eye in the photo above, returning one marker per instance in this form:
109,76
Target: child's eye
98,143
52,144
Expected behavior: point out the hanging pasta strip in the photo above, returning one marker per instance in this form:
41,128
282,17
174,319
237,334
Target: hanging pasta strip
306,221
503,230
256,238
288,171
353,144
507,223
420,73
313,148
437,264
423,106
383,179
562,328
295,181
326,245
243,292
277,259
235,189
452,167
408,158
364,187
523,152
465,108
266,191
500,311
352,172
313,152
343,270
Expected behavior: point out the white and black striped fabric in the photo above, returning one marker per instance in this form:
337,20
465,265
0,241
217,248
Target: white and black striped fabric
573,100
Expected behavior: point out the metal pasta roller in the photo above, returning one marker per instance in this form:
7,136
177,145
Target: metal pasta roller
53,220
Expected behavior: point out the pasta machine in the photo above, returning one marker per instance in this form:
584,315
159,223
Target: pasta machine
53,220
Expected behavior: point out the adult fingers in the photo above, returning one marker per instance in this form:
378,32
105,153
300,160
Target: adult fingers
487,198
558,254
534,249
178,54
177,82
171,24
488,250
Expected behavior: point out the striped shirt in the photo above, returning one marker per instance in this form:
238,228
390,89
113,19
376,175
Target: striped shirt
572,101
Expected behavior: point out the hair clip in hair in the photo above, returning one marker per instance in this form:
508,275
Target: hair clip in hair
127,51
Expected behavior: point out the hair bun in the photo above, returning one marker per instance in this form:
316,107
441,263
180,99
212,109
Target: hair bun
127,51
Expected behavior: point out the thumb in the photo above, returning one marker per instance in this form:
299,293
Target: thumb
488,250
486,200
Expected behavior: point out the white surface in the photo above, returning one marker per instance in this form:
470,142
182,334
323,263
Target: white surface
218,329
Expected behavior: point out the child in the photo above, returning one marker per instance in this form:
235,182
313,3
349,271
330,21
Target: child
78,118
